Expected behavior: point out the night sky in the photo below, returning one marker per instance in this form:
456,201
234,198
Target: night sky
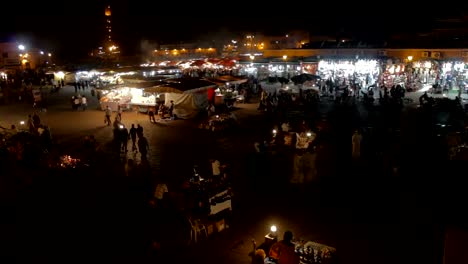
75,27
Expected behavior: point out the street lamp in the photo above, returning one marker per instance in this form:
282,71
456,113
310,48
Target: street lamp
272,236
273,229
21,47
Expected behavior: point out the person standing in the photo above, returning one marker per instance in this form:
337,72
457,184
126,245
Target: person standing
84,102
76,102
31,126
151,116
36,120
171,109
119,114
283,251
108,115
159,193
211,109
356,141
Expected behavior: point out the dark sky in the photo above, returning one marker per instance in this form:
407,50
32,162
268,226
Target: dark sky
74,27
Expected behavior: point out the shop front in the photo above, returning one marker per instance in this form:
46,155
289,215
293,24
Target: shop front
395,74
454,75
361,71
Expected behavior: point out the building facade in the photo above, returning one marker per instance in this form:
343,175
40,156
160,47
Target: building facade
17,56
402,54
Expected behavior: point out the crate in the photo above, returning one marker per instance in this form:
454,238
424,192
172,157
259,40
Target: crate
220,225
210,228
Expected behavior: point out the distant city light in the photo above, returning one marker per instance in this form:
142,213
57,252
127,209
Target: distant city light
50,54
21,47
42,53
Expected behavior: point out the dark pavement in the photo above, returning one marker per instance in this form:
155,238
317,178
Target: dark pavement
369,214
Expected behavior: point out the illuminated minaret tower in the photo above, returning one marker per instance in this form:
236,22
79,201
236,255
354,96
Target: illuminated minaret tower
110,47
108,14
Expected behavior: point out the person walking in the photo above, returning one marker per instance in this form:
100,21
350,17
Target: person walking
139,131
124,137
133,136
143,147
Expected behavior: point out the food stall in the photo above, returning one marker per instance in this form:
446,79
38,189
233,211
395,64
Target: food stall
306,251
127,98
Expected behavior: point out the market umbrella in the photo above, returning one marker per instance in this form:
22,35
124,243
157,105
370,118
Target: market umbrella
283,80
197,63
227,63
278,79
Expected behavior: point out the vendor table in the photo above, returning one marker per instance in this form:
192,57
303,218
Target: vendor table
216,207
313,252
113,105
144,108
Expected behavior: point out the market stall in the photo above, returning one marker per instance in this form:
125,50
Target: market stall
189,95
127,98
208,199
228,88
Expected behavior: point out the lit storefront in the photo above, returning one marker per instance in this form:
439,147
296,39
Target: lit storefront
453,74
395,74
364,72
286,70
425,72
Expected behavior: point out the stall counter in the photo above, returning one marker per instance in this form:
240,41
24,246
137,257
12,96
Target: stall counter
144,108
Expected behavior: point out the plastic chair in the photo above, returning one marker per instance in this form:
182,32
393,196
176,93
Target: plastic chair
197,229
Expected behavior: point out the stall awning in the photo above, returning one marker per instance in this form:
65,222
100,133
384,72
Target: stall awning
221,80
182,85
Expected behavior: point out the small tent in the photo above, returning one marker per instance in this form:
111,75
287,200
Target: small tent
190,95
